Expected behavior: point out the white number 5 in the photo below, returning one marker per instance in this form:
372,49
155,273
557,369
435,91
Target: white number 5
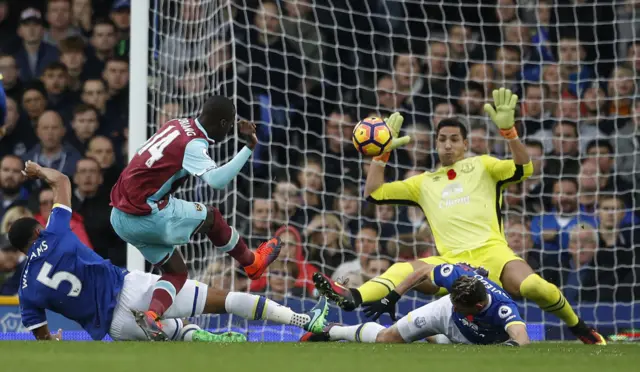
59,277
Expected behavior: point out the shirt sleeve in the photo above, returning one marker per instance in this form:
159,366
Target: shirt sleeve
508,314
444,275
399,192
32,316
198,163
59,219
506,171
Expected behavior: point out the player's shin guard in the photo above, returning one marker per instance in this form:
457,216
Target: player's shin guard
254,307
380,286
549,298
366,332
227,239
165,291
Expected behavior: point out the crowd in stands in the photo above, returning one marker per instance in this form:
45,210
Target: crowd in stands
306,71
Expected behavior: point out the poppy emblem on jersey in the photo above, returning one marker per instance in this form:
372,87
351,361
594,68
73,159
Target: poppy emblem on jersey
420,322
467,168
451,174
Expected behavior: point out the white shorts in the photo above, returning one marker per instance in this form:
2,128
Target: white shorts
136,295
432,319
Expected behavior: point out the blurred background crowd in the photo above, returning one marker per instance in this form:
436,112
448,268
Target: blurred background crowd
306,71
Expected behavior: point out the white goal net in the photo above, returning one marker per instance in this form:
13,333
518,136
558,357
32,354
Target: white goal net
306,71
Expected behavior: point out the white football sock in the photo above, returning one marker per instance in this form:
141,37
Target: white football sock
186,333
366,332
253,307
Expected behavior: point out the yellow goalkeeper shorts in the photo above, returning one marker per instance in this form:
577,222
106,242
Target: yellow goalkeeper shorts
492,258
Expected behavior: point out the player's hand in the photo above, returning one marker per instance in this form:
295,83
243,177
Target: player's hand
247,131
387,305
31,170
503,115
395,124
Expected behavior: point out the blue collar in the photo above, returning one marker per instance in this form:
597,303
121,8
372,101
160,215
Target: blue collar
203,131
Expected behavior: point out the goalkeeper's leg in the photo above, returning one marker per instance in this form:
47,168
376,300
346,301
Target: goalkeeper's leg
520,281
376,288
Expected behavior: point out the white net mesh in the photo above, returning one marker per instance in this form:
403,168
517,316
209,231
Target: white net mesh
305,71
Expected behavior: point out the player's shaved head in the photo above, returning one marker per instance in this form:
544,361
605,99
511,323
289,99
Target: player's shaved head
218,117
468,295
23,232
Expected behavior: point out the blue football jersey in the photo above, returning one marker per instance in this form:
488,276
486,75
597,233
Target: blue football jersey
65,276
488,326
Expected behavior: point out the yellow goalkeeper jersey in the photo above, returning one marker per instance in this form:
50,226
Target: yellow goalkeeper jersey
462,202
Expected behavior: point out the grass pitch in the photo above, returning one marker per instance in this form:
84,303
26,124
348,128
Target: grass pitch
310,357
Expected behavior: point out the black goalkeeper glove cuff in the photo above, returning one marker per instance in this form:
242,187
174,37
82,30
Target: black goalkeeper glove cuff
387,305
511,343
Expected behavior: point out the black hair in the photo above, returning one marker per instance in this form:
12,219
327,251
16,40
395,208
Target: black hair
455,123
570,123
116,59
21,232
535,84
474,86
467,291
216,110
55,66
534,143
601,143
104,21
36,85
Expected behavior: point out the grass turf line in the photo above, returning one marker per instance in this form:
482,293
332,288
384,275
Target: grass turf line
310,357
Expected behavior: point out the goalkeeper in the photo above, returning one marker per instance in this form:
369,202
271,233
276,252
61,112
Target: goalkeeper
462,202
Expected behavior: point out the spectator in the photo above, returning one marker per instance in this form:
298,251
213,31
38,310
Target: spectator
116,74
45,203
12,189
628,149
571,58
121,17
103,41
168,111
72,55
420,149
471,99
591,182
310,178
260,226
483,74
437,65
601,153
7,25
520,241
621,90
347,205
11,82
374,266
82,16
12,261
291,250
366,246
34,101
34,54
583,244
17,134
94,93
460,46
328,244
535,116
52,152
12,215
479,141
101,149
533,187
276,69
541,38
92,203
594,105
222,273
507,66
56,80
407,72
441,111
340,156
60,22
281,280
84,126
563,159
288,198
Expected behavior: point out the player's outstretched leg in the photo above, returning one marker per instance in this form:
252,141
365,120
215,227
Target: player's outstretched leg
227,239
165,290
254,307
367,333
518,278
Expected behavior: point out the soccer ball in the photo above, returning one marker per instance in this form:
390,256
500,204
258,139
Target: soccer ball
371,136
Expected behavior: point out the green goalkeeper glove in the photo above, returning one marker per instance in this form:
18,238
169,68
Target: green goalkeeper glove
504,113
394,122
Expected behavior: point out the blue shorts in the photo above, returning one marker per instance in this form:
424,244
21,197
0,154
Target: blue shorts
156,234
